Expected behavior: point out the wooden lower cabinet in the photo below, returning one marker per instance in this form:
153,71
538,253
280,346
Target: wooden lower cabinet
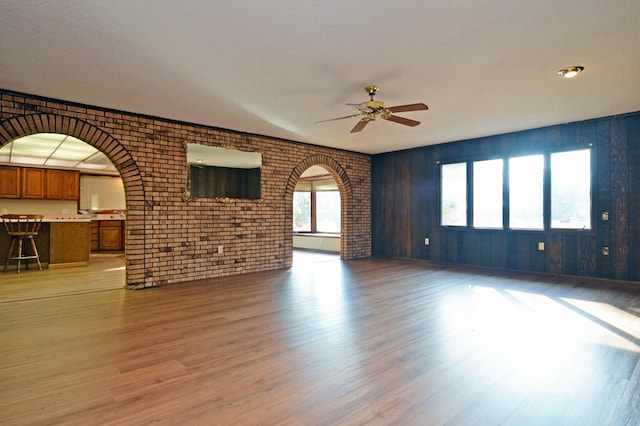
107,235
69,244
95,235
110,238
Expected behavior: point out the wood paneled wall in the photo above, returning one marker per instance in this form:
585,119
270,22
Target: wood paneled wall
405,204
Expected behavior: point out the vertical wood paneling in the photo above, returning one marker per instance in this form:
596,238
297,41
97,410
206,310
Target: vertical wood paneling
486,249
522,251
512,251
498,250
619,177
634,198
554,253
603,185
587,252
405,200
570,254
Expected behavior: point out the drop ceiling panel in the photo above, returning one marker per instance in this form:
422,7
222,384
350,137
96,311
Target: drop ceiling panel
55,150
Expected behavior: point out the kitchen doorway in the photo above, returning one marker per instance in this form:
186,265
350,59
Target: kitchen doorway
104,271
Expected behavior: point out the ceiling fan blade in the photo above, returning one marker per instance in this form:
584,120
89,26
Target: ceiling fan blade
339,118
360,107
410,107
358,127
402,120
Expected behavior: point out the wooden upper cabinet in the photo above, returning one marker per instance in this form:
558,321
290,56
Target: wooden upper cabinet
33,183
38,184
9,182
63,184
54,184
71,185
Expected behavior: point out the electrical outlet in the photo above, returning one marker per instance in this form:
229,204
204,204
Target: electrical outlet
426,241
605,251
605,215
220,249
541,245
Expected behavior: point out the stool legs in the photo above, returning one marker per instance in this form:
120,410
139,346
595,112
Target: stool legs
19,253
35,252
6,262
20,257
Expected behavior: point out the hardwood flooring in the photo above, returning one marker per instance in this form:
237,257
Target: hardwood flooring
103,272
373,341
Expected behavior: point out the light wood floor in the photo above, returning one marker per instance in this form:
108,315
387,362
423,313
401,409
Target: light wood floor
373,341
104,272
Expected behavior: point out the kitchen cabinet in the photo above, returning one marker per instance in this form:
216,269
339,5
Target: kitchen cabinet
107,235
61,244
39,184
63,184
33,183
110,238
9,182
71,189
69,244
95,235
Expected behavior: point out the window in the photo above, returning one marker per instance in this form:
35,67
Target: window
454,194
328,211
571,189
316,206
532,192
301,211
487,194
526,192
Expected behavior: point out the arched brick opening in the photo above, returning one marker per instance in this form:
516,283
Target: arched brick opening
346,204
26,125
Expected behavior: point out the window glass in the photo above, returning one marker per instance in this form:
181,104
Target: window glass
571,189
301,211
454,194
328,211
487,194
526,176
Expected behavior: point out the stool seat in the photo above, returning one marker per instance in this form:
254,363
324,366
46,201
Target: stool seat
21,227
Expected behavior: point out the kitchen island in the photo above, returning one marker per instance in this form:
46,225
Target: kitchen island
63,242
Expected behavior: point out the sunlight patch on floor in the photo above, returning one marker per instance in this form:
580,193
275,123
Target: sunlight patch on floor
616,327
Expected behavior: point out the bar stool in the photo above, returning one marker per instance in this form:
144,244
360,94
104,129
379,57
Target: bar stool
21,227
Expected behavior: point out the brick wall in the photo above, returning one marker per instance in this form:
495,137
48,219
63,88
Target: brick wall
171,240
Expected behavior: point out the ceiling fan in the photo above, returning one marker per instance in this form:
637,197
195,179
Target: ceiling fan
372,109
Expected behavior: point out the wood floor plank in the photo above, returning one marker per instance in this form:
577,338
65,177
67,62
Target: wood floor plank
373,341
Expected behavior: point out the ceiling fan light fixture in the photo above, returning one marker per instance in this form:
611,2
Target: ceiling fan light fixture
571,71
371,110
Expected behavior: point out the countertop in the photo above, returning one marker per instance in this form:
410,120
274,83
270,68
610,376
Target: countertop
80,217
64,218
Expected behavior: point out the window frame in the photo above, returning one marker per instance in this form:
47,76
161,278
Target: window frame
546,191
314,210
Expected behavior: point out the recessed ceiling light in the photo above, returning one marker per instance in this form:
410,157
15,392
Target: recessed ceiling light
570,72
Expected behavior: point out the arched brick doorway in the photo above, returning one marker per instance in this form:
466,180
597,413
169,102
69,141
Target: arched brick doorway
346,204
26,125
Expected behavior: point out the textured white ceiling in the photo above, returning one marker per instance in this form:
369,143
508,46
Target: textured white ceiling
274,67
